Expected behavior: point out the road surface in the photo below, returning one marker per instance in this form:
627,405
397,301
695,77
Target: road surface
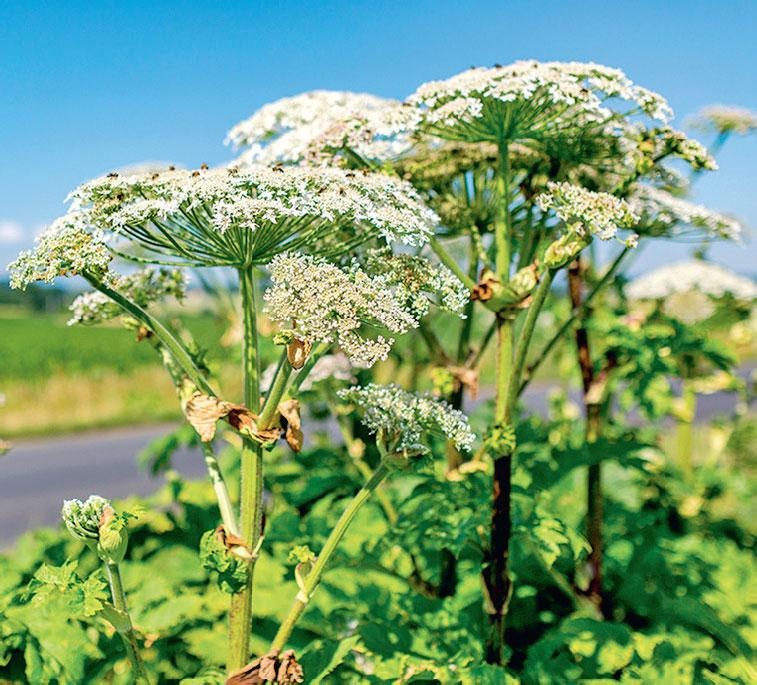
37,475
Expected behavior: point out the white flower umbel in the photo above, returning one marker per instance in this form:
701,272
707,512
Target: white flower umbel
323,302
66,248
142,288
529,100
692,275
586,212
402,418
725,119
217,217
295,129
663,212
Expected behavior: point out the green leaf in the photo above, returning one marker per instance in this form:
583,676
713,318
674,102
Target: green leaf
322,657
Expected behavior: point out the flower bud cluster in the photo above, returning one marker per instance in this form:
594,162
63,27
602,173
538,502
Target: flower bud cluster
95,522
403,418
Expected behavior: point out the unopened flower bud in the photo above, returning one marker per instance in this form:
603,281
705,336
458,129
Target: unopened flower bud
97,524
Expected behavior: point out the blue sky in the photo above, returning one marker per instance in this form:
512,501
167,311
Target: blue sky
90,86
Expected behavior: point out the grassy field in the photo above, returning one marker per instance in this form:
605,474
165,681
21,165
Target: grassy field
57,378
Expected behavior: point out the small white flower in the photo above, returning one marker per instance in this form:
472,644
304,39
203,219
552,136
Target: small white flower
66,248
326,303
232,217
679,217
587,212
142,288
403,417
529,99
296,129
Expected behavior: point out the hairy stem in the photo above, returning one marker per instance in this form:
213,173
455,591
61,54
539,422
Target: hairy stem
180,353
526,333
314,577
128,635
251,485
225,506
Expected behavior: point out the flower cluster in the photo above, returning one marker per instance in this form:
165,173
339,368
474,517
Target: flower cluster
323,302
142,288
418,282
402,418
693,275
540,98
188,214
726,119
662,211
66,248
586,212
297,129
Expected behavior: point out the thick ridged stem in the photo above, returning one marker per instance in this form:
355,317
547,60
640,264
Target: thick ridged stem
594,497
496,564
128,635
310,582
251,481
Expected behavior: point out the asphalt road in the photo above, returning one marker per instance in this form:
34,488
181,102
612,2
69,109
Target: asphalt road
37,475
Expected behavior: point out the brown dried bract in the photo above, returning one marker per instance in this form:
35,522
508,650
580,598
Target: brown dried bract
233,543
484,289
290,415
297,353
203,412
274,667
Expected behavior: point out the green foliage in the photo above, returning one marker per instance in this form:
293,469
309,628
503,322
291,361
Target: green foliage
231,572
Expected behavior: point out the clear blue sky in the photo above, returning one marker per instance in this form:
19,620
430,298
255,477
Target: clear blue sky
89,86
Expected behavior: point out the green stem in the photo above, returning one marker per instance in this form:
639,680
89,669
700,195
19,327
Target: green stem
221,491
166,337
276,392
496,573
685,428
526,333
299,378
544,352
128,635
251,481
448,261
314,577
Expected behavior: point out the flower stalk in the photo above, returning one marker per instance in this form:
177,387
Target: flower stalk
313,578
251,481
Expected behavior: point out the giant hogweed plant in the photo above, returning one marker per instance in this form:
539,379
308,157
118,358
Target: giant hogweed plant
528,163
288,221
